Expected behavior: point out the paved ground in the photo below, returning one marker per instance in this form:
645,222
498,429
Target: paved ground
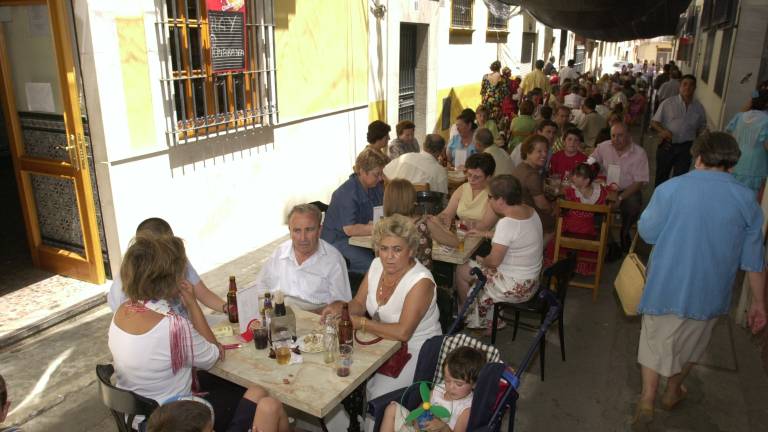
53,385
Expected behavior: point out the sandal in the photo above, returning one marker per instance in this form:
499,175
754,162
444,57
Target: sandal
668,405
643,416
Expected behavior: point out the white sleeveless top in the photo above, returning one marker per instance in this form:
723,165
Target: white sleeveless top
456,407
390,311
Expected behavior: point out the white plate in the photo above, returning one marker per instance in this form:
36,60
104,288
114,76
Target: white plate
313,349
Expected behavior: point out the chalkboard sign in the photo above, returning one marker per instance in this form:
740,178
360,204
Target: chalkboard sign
226,29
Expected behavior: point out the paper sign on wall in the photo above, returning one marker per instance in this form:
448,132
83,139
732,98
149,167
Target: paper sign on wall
39,97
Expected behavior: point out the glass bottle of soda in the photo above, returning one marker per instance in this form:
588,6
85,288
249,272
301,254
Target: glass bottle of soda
345,327
279,304
232,300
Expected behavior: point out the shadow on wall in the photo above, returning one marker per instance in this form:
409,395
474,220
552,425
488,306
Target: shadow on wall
221,149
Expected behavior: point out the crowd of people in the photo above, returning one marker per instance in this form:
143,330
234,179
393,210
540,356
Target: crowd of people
530,132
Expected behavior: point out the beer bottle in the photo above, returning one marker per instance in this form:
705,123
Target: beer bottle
279,304
345,327
232,300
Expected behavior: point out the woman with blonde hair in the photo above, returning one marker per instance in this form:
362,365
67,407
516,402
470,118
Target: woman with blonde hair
399,293
155,349
350,212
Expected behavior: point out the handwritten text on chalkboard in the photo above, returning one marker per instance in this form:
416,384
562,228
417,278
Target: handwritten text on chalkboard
227,40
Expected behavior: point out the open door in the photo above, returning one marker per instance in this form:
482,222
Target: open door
38,83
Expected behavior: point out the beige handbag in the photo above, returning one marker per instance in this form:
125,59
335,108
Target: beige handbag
630,281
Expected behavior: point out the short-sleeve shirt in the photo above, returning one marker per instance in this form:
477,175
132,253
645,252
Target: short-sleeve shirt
419,168
398,147
535,79
524,240
633,163
704,226
455,144
351,204
591,125
751,132
522,124
503,162
533,185
321,279
562,163
684,121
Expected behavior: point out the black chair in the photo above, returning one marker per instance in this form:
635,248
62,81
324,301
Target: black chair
429,202
562,271
320,205
123,404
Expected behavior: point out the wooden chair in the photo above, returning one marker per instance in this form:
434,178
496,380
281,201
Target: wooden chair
421,187
123,404
598,245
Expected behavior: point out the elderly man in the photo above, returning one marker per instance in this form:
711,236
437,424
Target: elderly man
422,167
308,270
620,153
591,122
704,226
484,143
535,79
678,121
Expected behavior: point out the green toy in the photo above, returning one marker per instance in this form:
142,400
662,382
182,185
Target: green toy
436,410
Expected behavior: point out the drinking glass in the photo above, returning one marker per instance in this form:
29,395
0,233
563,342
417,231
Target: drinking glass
344,360
283,351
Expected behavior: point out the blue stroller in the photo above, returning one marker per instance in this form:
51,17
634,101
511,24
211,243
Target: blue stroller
497,386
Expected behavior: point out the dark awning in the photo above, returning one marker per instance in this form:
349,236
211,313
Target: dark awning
608,20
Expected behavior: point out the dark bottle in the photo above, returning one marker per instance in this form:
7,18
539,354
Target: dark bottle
232,300
279,304
345,327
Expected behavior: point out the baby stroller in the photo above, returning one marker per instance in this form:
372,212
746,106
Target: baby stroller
497,384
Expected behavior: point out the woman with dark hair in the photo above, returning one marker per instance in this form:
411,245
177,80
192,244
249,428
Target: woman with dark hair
523,125
704,227
493,90
534,153
750,129
514,263
470,201
465,126
378,136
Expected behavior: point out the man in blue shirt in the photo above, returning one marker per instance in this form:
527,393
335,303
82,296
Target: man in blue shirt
704,226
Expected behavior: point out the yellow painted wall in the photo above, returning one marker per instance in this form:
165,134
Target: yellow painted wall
466,96
322,56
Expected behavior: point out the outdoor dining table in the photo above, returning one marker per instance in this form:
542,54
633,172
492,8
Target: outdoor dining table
439,252
311,386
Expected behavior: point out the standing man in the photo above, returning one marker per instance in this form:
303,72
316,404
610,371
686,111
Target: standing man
669,88
631,161
678,121
550,67
309,271
569,72
535,79
704,226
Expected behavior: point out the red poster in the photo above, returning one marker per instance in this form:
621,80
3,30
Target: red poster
226,30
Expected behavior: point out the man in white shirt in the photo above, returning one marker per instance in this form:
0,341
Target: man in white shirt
678,121
309,271
422,167
569,72
484,144
669,88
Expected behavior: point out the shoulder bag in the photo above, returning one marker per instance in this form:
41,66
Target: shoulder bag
630,281
396,363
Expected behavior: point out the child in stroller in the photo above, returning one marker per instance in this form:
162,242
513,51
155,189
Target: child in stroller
461,369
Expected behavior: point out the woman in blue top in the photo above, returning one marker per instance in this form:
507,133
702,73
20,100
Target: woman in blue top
704,226
350,212
750,129
463,140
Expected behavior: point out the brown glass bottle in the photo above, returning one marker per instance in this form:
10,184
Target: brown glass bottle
345,327
232,300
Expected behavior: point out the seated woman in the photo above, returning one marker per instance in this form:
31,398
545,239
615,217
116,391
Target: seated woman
400,198
154,349
514,263
564,162
528,173
578,222
350,212
484,121
470,201
465,128
399,293
522,126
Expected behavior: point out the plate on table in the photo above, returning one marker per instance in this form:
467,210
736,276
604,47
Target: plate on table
311,343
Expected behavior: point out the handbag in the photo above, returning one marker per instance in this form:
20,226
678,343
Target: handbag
396,363
630,281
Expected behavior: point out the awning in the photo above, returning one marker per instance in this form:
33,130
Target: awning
608,20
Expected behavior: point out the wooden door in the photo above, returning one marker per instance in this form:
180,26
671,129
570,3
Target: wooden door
38,85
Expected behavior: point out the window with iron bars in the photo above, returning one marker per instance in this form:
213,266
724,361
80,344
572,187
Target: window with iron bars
203,102
496,23
461,13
